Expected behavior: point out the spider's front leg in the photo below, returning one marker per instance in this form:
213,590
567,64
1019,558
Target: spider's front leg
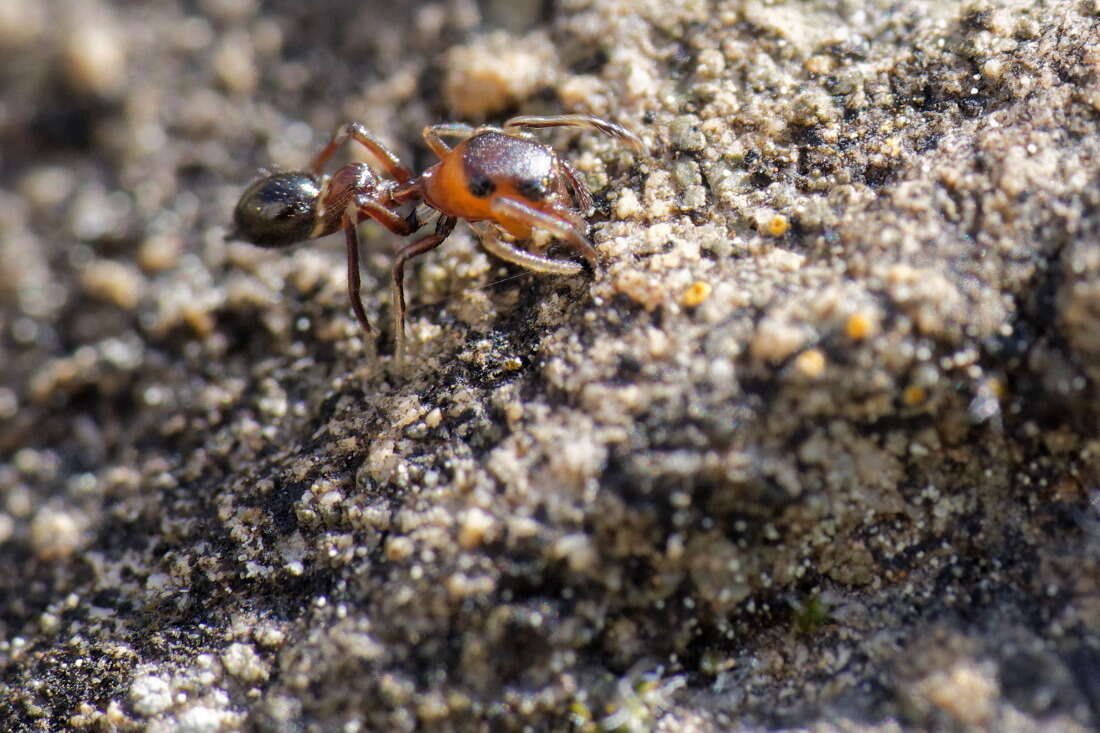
587,121
491,241
560,225
434,134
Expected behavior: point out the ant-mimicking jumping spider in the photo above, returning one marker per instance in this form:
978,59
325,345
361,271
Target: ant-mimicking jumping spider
494,178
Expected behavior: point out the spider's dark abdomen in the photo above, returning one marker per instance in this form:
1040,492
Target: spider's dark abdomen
278,210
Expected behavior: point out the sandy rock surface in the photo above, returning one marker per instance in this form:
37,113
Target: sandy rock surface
815,448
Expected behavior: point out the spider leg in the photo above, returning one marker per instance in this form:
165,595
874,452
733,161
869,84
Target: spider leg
380,155
509,252
588,121
443,228
558,224
434,134
364,206
398,225
580,191
351,237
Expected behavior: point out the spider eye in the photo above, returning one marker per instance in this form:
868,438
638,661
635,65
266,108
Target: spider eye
533,189
480,186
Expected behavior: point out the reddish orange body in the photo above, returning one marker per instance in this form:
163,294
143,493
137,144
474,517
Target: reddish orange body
494,178
502,166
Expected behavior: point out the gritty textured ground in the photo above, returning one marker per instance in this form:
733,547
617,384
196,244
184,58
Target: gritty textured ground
817,447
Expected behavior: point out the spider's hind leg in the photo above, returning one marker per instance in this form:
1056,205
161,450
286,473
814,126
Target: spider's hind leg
380,155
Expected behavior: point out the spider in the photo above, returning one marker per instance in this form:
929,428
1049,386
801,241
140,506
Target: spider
497,179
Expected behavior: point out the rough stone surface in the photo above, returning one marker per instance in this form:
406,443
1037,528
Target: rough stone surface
816,447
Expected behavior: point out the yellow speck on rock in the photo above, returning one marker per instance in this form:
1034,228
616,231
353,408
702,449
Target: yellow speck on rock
858,326
914,395
696,293
778,225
